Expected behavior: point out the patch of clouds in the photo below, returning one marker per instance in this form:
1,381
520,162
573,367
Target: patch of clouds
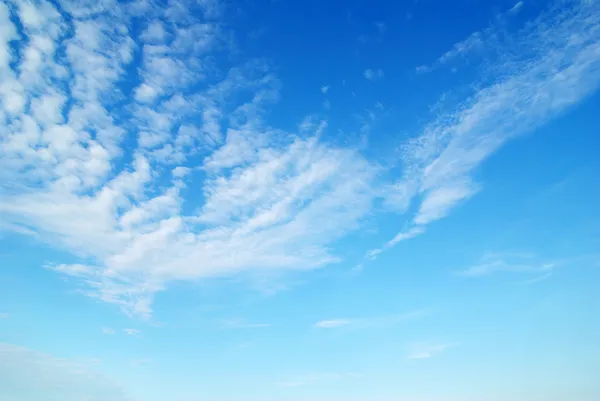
373,74
270,201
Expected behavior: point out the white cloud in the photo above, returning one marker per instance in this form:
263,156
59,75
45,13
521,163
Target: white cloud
242,324
478,42
365,322
180,171
125,217
132,332
146,93
272,201
536,279
426,350
401,236
324,89
508,263
107,331
516,8
26,374
564,69
373,75
4,315
332,324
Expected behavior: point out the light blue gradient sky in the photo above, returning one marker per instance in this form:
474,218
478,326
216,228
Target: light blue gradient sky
299,200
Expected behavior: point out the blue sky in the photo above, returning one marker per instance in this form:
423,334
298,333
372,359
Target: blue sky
299,200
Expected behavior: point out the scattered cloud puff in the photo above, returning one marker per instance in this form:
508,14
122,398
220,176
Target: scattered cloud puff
4,315
324,89
373,75
31,374
425,350
107,331
104,171
132,332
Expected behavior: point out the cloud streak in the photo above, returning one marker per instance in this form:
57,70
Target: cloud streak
478,42
426,350
370,321
561,68
509,263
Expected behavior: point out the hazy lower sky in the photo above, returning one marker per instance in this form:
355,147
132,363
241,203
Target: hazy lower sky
283,200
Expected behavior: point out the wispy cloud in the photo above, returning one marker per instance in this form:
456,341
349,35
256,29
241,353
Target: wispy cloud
107,331
332,324
98,168
242,324
425,350
270,199
508,263
477,42
536,279
132,332
560,68
324,89
364,322
373,74
4,315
